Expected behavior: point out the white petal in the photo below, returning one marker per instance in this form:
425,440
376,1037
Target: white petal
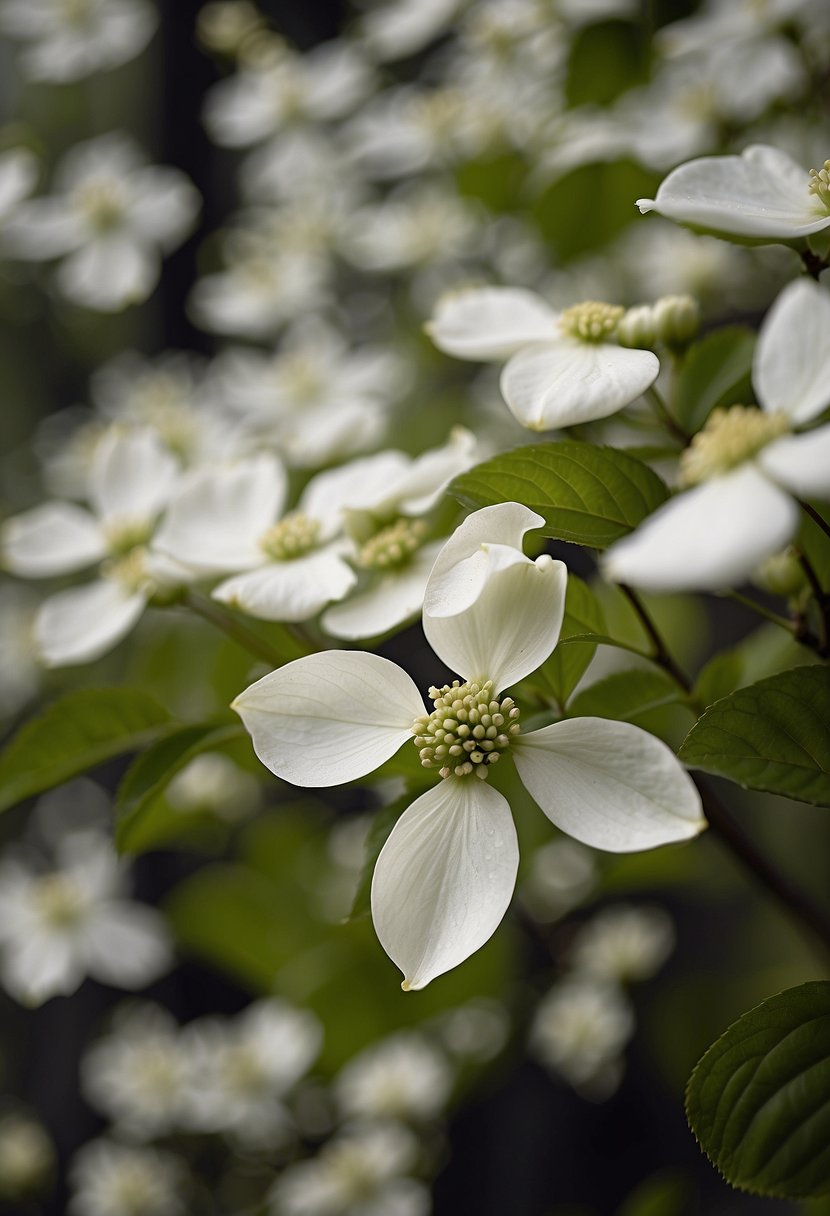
132,478
41,966
215,522
609,784
392,601
289,591
490,322
421,487
708,538
359,485
109,273
569,382
55,538
42,229
791,367
126,945
505,523
331,717
81,624
800,463
761,194
444,878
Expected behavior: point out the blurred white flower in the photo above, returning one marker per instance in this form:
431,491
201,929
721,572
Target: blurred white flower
213,782
623,944
138,1074
402,1077
131,479
476,1031
111,219
18,174
745,465
562,368
27,1156
561,874
58,926
445,876
360,1172
111,1179
393,29
761,196
416,226
68,39
242,1069
410,129
579,1030
20,670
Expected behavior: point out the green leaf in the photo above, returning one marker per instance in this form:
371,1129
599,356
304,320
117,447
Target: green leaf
759,1100
625,695
721,675
77,733
606,59
149,775
583,619
772,736
716,371
587,495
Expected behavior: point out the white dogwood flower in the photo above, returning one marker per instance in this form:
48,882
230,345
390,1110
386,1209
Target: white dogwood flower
18,174
446,874
69,39
131,479
562,368
58,926
759,197
111,218
401,1077
111,1179
745,465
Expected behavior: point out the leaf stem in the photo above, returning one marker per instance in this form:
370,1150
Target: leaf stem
665,415
814,516
761,610
235,629
796,901
822,599
813,263
660,654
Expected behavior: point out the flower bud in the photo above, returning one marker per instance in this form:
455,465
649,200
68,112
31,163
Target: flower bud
781,574
676,320
637,328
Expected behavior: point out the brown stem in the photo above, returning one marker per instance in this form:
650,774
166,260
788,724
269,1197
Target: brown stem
661,654
814,516
812,263
822,599
796,901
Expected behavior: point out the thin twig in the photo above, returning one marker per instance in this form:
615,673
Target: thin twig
665,415
796,901
240,633
814,516
761,610
822,599
661,654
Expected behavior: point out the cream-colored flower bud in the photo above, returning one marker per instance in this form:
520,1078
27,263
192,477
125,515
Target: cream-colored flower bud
225,26
27,1157
676,319
637,328
781,574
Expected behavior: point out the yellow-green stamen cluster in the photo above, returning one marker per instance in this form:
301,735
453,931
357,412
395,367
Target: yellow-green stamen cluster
590,321
123,535
59,901
468,729
130,571
392,546
101,201
820,184
292,537
730,437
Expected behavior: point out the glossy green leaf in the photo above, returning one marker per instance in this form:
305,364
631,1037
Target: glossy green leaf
624,695
759,1100
587,495
583,619
77,733
772,736
716,372
152,772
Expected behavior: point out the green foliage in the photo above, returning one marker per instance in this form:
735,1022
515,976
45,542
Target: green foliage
583,618
716,371
606,59
378,834
587,495
772,736
626,695
759,1100
152,772
590,206
77,733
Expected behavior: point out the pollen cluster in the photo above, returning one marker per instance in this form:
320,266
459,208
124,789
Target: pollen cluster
729,437
590,321
820,184
468,729
293,536
392,546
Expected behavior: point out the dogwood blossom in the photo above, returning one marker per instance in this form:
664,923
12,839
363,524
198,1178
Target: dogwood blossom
445,876
758,197
745,464
131,479
111,218
68,41
402,1077
18,174
562,368
111,1179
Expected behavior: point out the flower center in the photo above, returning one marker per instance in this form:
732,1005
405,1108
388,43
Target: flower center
77,12
468,729
292,537
101,202
301,379
590,321
820,184
123,535
60,902
730,437
392,546
130,571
